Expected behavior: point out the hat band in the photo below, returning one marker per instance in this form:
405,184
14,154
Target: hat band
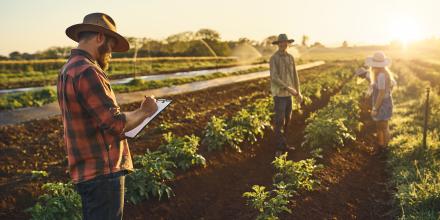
378,60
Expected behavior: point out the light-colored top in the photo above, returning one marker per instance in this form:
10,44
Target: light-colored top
283,74
381,84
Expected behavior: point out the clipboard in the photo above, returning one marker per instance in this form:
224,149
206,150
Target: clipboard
161,105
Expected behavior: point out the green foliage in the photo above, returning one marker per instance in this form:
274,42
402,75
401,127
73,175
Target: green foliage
167,126
269,203
415,169
217,135
326,132
150,177
60,201
290,177
335,124
153,169
247,125
48,95
27,99
296,175
16,74
35,174
183,150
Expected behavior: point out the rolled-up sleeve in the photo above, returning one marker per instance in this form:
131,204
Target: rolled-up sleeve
96,96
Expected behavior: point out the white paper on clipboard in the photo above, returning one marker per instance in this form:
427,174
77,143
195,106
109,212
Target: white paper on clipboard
161,105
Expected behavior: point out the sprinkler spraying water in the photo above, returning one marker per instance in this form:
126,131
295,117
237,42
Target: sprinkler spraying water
137,42
208,47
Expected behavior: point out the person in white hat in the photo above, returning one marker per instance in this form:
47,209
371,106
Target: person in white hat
284,84
382,83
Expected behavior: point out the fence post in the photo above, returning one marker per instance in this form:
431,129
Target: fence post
425,122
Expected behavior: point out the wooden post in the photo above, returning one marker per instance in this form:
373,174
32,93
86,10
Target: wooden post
425,122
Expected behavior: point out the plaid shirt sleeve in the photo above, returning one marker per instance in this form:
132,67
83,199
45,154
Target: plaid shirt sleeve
97,97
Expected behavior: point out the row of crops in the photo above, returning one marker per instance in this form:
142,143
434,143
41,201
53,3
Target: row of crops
48,95
17,74
415,168
155,170
332,127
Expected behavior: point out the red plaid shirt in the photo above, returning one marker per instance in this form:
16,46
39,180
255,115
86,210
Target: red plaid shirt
93,123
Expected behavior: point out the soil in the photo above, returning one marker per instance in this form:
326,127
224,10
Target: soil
353,181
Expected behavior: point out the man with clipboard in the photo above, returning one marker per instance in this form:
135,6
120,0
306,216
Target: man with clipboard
94,127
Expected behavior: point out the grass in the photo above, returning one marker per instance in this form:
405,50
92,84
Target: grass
415,170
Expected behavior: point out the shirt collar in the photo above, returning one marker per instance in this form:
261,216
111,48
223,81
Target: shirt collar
282,53
79,52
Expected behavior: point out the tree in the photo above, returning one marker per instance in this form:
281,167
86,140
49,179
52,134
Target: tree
318,45
28,56
208,34
344,44
15,55
183,36
305,40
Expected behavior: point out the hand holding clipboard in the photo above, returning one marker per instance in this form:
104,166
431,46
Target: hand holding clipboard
161,105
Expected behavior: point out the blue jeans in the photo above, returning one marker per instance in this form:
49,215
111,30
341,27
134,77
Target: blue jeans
103,196
283,113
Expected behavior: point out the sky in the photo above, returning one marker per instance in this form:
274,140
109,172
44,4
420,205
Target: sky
35,25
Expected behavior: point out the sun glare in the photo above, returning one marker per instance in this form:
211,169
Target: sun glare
405,30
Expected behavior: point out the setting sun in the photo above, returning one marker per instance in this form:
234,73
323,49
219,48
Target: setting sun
405,30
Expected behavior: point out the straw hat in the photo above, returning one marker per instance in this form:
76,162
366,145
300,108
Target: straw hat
101,23
378,60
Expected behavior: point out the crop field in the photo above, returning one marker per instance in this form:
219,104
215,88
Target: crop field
16,74
214,158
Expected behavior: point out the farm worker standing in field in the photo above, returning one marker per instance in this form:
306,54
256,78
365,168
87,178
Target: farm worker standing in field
382,82
94,127
284,84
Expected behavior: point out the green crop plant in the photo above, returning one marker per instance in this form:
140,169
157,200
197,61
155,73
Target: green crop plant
182,150
153,170
60,201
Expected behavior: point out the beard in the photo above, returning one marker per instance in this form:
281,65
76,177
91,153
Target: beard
104,55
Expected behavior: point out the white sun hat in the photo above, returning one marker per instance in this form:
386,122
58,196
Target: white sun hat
378,60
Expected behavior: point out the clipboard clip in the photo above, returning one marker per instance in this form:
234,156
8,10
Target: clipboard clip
163,100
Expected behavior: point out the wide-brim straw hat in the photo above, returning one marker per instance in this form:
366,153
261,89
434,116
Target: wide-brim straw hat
378,60
282,38
101,23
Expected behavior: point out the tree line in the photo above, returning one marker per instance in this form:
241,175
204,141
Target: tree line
204,42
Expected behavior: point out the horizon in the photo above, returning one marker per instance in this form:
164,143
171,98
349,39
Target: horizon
357,22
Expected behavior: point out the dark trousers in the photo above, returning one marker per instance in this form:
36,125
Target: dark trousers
283,113
103,197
